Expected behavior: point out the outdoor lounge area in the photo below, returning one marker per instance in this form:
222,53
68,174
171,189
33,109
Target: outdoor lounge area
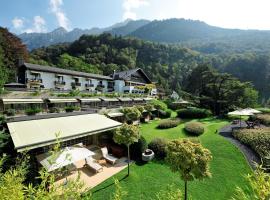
90,162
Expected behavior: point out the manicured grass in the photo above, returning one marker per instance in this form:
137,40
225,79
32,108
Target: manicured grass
228,168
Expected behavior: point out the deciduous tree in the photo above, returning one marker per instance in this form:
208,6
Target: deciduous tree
190,159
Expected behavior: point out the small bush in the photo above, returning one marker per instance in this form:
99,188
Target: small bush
165,113
168,123
158,145
54,110
9,112
32,111
195,128
137,148
193,113
71,108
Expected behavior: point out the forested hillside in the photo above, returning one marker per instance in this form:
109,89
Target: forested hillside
106,53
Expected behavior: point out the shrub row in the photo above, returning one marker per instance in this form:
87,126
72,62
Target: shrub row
195,128
193,113
72,108
168,123
258,140
32,111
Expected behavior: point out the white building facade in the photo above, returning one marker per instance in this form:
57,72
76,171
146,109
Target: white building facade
46,77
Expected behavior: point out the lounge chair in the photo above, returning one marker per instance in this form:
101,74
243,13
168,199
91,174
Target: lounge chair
89,162
108,157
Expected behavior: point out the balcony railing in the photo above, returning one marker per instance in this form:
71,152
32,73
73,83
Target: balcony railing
101,86
76,84
89,85
60,82
34,81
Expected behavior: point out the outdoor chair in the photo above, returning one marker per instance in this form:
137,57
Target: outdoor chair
108,157
89,162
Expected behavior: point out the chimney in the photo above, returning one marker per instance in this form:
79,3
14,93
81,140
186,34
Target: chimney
20,62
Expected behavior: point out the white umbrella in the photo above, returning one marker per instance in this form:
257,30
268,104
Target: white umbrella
65,157
251,110
241,113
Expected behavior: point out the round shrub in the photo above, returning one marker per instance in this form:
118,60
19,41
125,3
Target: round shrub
193,113
137,148
195,128
168,123
158,145
165,113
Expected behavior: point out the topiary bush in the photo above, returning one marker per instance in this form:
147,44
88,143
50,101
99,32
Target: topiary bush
168,123
165,113
194,128
32,111
158,145
137,148
193,113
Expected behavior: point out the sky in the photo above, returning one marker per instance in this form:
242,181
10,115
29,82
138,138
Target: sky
45,15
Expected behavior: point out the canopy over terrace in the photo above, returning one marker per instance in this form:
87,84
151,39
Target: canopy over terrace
27,135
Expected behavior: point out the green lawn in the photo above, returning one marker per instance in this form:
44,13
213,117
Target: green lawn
228,168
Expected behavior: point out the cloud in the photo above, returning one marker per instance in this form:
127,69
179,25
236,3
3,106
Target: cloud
17,23
130,5
55,8
39,25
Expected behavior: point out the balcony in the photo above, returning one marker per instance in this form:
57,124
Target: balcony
101,86
87,85
59,83
34,81
76,84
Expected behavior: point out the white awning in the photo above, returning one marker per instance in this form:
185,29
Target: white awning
116,114
105,99
66,156
147,99
32,134
137,99
19,101
125,99
251,110
63,100
90,100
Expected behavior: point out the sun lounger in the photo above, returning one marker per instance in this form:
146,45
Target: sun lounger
89,162
108,157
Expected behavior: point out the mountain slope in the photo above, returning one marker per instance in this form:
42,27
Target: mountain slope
60,35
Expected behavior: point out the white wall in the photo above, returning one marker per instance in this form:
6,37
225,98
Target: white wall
48,80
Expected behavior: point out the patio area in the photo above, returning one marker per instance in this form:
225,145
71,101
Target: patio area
89,177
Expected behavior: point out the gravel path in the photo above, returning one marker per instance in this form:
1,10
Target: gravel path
249,154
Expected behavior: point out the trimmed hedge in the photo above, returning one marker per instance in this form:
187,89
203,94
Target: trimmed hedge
258,140
193,113
32,111
158,145
72,108
168,123
195,128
